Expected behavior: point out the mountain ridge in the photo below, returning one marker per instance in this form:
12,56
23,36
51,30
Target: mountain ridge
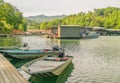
44,18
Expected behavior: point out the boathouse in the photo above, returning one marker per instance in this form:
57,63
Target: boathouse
68,31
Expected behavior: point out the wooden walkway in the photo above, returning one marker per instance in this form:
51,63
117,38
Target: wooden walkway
8,73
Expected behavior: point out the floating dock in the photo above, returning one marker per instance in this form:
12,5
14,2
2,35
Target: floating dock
8,73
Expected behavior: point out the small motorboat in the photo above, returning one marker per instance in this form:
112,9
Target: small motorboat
47,66
90,35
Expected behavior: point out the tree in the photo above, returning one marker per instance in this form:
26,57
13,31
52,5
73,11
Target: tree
1,1
102,17
10,18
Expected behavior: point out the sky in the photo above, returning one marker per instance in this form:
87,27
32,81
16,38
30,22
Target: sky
59,7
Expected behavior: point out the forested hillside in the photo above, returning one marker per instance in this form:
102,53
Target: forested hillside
104,17
10,18
44,18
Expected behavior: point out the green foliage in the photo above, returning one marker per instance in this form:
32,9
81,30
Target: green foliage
1,1
33,25
44,25
103,17
10,18
43,18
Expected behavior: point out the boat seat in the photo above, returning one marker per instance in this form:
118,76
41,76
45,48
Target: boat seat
56,59
64,58
46,50
50,59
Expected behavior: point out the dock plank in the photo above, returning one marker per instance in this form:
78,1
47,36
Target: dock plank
8,73
1,78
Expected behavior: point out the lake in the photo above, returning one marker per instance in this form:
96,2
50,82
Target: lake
95,60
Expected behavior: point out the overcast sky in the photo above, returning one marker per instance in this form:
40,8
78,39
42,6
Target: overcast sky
58,7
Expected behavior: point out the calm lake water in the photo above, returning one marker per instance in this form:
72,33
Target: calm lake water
95,60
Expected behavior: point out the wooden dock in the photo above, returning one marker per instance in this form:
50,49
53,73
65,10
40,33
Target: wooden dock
8,73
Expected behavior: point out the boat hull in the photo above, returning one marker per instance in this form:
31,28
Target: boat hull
27,54
30,55
61,68
91,36
52,72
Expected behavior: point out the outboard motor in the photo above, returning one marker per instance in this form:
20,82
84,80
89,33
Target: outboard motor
25,44
56,48
61,53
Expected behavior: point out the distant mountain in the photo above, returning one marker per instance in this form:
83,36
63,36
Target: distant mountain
44,18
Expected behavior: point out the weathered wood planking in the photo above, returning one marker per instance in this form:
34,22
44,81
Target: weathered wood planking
8,73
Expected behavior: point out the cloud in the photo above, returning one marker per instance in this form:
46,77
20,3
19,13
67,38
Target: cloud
52,7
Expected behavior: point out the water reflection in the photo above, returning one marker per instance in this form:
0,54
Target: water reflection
95,60
55,79
98,62
71,46
10,41
18,62
65,74
35,79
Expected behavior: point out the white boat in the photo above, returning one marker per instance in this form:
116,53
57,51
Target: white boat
90,35
47,66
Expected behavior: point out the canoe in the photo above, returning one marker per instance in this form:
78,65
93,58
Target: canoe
47,66
28,54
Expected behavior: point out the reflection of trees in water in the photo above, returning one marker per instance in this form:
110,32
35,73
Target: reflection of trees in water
66,73
35,79
54,79
18,62
71,46
10,41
